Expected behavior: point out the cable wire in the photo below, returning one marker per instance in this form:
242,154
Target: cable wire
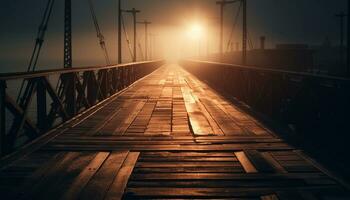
99,33
141,51
127,37
234,26
250,42
38,44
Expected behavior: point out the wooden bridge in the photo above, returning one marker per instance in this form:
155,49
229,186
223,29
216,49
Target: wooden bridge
166,136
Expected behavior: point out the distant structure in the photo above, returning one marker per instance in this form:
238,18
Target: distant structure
293,57
262,42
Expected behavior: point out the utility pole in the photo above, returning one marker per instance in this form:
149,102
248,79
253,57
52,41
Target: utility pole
341,16
134,12
120,32
146,23
68,79
67,34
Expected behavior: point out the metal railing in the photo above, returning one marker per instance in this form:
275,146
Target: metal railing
315,106
43,106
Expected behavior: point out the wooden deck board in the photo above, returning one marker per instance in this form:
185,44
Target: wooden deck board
169,136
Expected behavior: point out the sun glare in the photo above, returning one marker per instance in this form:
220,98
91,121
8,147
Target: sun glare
195,31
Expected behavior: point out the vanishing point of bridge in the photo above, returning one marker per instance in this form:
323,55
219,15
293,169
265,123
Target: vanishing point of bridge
166,136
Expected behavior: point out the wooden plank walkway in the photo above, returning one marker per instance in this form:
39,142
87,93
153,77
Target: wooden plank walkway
168,136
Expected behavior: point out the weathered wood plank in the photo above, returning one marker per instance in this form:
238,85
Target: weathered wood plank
259,162
225,176
54,172
118,186
244,160
161,192
84,177
190,143
102,180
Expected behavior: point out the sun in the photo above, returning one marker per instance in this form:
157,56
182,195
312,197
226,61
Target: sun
195,31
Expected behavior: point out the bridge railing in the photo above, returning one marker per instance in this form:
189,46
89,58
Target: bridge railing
50,97
314,105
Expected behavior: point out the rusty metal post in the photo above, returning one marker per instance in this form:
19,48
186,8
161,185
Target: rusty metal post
103,84
91,87
69,79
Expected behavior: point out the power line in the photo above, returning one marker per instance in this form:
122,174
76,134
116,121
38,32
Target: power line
133,11
234,25
141,51
127,37
38,43
222,4
146,23
99,33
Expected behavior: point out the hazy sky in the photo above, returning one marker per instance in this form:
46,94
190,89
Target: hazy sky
281,21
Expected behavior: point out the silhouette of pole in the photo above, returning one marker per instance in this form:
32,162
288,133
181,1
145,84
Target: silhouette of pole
134,12
67,34
341,16
120,32
69,79
146,23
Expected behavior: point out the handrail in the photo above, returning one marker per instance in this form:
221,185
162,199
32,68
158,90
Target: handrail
78,89
313,108
40,73
271,70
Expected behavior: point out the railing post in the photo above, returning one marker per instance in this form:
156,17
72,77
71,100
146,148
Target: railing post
113,80
2,117
103,84
122,77
91,87
41,105
109,75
